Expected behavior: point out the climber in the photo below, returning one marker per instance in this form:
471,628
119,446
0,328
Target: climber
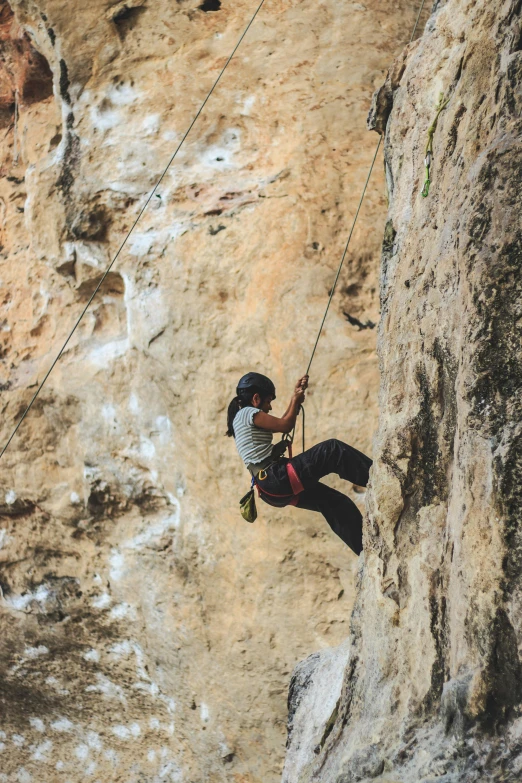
282,481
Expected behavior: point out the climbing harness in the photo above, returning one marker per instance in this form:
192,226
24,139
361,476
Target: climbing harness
149,199
443,102
279,500
247,504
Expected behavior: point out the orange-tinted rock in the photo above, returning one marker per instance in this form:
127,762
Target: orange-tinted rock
24,73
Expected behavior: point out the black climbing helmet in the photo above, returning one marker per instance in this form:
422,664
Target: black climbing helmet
255,382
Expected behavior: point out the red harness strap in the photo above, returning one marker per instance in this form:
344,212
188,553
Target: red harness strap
293,499
295,484
295,481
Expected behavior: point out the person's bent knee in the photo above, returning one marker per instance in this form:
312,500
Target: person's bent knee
328,446
333,443
340,447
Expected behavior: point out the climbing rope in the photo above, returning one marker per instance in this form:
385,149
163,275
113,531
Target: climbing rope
289,439
332,290
147,202
443,102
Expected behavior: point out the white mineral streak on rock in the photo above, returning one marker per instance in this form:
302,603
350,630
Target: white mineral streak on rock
156,535
35,652
141,244
82,752
111,757
103,356
10,497
122,611
117,563
62,724
41,752
123,648
4,538
121,731
94,741
57,685
134,404
127,732
101,601
21,602
107,688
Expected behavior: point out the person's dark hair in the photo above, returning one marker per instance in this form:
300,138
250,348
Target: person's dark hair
241,401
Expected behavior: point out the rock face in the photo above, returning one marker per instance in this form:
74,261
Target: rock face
148,633
313,701
432,690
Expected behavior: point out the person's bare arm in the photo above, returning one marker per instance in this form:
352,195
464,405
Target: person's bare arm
286,423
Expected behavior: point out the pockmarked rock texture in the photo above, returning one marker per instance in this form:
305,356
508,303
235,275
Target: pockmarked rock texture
148,633
432,691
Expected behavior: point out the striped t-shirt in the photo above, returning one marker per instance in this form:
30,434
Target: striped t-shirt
253,443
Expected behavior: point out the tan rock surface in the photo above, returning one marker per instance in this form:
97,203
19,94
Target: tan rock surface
148,632
432,691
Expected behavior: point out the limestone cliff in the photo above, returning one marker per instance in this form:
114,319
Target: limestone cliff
432,688
148,633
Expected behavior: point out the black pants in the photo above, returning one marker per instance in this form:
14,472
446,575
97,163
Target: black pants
331,456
